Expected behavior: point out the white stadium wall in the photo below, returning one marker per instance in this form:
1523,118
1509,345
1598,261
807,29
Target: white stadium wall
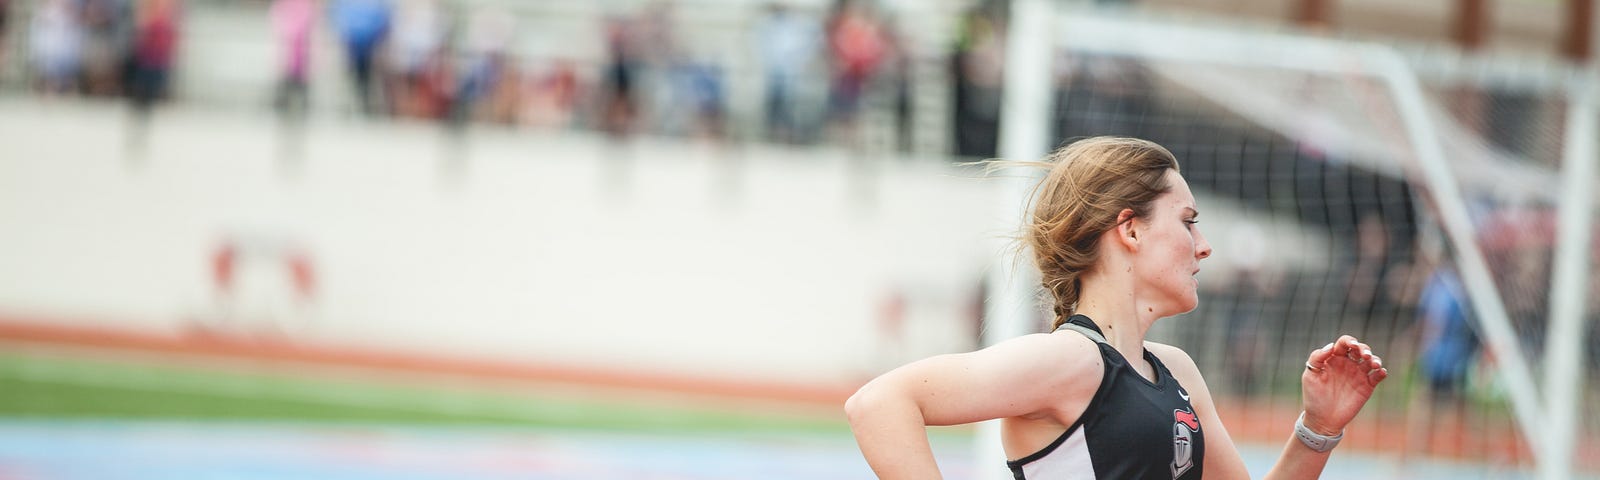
692,260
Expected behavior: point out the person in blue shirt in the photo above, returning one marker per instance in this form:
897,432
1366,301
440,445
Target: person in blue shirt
363,26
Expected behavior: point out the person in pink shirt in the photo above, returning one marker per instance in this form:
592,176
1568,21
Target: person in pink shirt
292,21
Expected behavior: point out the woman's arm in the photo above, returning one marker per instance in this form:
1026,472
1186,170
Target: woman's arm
1338,380
1031,376
1331,399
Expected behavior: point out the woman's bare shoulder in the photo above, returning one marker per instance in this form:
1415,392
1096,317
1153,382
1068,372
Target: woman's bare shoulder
1053,348
1062,370
1054,359
1029,376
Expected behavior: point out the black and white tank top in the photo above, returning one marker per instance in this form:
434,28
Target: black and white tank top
1132,429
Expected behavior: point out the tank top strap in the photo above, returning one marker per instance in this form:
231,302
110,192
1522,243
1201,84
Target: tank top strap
1082,324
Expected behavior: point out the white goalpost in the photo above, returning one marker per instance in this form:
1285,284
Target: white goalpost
1547,417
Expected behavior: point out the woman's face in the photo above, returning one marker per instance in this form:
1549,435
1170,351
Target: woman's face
1170,251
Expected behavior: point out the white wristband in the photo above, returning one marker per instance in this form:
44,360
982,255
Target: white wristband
1316,441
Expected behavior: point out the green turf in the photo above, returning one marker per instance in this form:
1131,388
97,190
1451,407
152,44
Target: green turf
37,386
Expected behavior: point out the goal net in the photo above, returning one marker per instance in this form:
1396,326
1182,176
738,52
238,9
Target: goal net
1410,198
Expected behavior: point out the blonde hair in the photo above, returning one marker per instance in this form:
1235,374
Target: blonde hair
1089,184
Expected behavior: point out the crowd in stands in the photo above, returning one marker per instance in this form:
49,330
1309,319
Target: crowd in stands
100,47
459,62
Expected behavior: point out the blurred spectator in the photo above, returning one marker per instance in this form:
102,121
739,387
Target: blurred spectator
704,90
504,96
856,47
663,78
619,105
55,42
1448,346
898,78
788,44
552,96
293,20
486,68
155,44
363,26
108,46
976,67
421,86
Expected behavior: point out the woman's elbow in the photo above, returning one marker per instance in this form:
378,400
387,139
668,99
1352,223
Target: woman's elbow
856,407
868,400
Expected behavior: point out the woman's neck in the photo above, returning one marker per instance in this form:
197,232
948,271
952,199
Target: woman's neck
1114,307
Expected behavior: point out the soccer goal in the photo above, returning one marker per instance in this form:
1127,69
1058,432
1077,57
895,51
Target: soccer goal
1439,207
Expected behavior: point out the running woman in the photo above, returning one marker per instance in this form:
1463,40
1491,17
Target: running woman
1113,231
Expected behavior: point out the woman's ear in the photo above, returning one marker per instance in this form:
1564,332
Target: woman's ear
1127,234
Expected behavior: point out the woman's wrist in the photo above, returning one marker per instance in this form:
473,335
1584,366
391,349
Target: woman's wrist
1313,439
1317,426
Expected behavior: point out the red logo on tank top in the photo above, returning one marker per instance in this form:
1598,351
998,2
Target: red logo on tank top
1184,425
1188,419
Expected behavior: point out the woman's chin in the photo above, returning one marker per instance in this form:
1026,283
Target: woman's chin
1188,304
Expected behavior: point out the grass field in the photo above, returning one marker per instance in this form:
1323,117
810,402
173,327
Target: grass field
55,385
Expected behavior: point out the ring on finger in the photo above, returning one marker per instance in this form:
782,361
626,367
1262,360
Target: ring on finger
1313,368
